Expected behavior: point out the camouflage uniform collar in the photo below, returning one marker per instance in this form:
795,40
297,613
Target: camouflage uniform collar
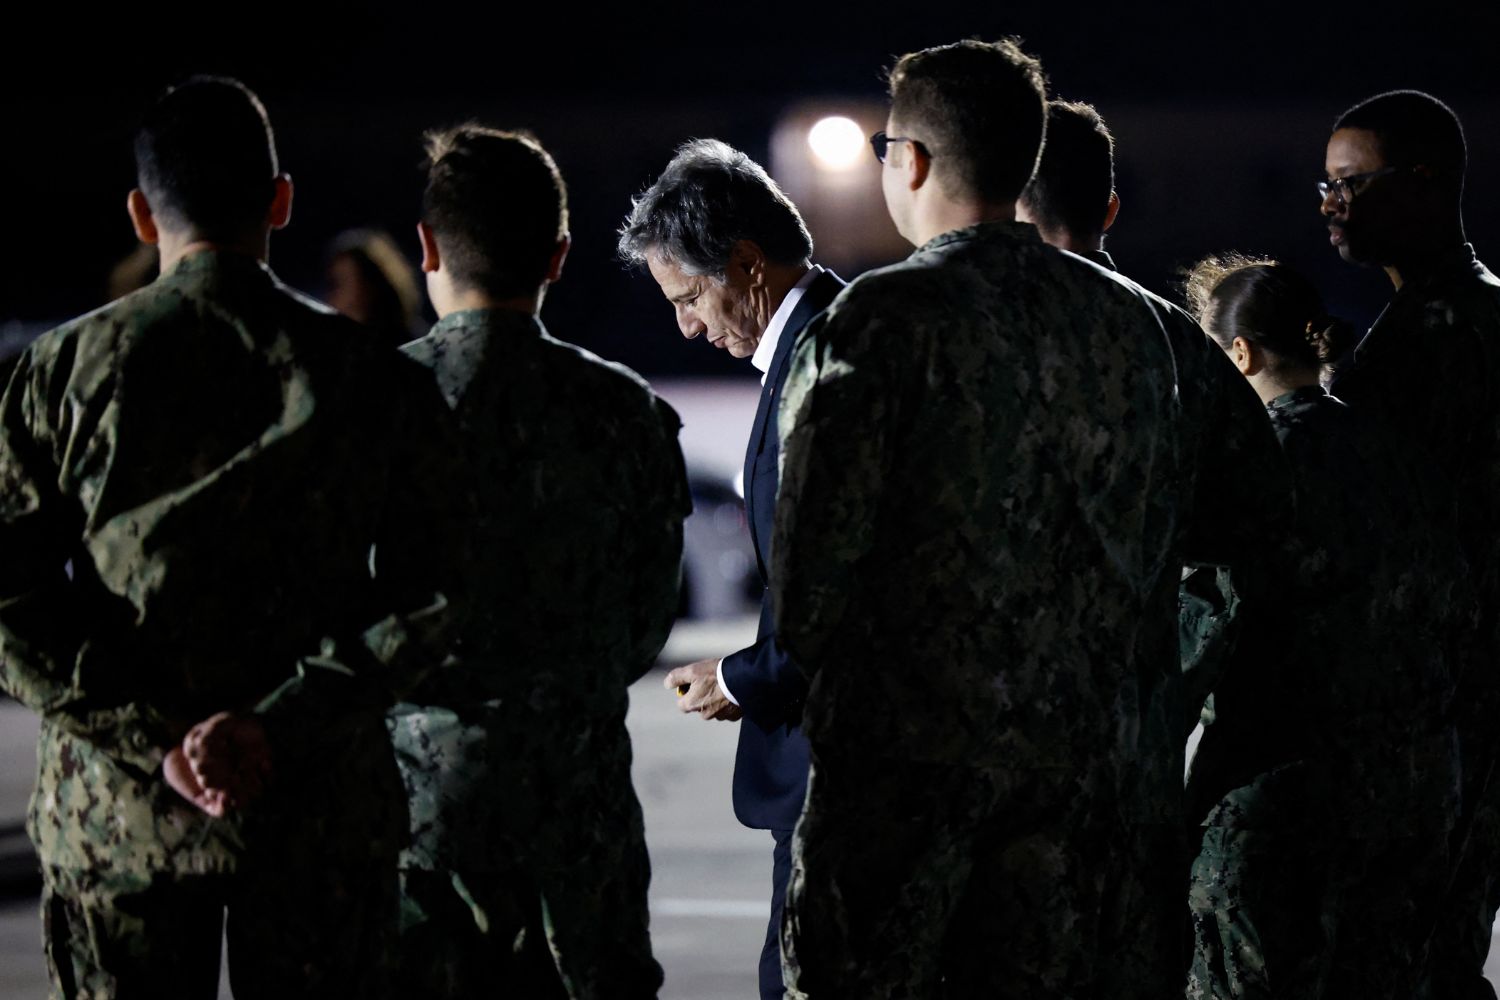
987,231
1100,257
1301,395
1454,263
220,262
499,321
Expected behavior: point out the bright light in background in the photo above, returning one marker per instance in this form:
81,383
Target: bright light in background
837,143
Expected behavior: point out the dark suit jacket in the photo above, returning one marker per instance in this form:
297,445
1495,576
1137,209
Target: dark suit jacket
770,767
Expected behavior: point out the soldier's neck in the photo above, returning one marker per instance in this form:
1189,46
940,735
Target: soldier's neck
1268,386
941,215
173,247
471,298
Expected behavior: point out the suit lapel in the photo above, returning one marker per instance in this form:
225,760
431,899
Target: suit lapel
819,294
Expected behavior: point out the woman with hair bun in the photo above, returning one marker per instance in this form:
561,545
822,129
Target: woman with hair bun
1326,778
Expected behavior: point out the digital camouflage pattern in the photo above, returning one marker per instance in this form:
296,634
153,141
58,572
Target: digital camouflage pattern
1424,378
1231,459
1328,743
974,896
981,534
218,495
518,757
134,935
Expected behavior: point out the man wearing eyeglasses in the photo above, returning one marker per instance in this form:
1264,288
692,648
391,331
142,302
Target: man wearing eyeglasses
1428,374
973,565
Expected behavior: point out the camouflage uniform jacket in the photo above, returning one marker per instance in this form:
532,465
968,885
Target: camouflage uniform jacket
980,503
1427,378
1330,713
196,483
1230,456
577,548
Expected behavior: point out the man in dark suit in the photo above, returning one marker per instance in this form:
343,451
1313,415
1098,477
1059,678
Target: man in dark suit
732,255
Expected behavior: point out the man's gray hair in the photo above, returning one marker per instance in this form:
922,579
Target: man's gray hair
708,198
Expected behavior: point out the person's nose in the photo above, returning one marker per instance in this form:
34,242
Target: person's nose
1333,203
689,323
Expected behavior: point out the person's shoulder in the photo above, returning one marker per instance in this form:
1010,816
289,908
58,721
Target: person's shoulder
302,312
1476,298
103,328
608,382
1103,287
912,292
314,310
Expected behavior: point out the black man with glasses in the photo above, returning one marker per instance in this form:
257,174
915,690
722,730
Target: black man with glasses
1427,374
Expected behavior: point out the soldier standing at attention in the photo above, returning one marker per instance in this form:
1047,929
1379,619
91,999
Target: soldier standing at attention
1425,378
974,552
517,760
1229,445
218,504
1327,777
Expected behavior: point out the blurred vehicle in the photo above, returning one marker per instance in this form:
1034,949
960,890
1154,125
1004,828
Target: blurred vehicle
720,578
719,575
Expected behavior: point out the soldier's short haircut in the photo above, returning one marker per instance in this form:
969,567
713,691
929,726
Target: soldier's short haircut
1268,304
205,158
1076,175
1413,129
980,110
497,205
709,197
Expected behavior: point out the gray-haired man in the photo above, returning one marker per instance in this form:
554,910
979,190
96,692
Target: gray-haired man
741,274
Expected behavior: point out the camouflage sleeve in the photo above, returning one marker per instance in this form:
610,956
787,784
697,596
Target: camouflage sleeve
835,416
42,620
1208,619
421,574
656,569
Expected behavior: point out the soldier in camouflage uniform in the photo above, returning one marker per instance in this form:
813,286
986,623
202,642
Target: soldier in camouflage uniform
974,561
1327,777
196,483
517,761
1229,446
1424,378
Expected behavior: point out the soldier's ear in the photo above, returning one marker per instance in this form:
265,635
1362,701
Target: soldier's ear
1114,210
555,265
431,259
1245,357
141,219
917,164
281,202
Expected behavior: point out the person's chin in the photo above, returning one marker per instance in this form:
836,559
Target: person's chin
1353,253
740,349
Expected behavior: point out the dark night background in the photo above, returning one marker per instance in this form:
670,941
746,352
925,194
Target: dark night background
1220,113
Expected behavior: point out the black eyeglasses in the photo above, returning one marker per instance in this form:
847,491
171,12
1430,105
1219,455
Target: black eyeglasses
880,142
1343,189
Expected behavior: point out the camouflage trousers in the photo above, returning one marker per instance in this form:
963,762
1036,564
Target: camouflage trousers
564,870
1293,915
926,881
314,932
474,935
